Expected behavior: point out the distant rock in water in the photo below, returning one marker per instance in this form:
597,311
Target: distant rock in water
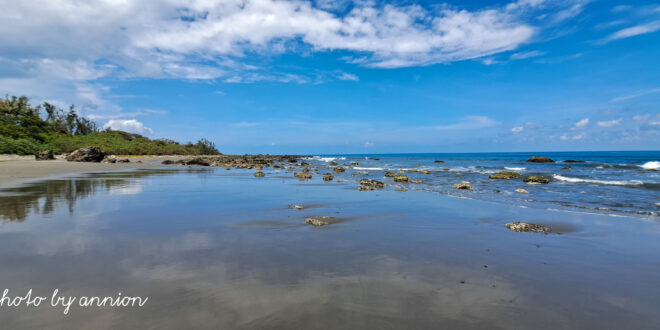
44,155
319,221
525,227
339,169
87,154
302,175
328,177
367,184
415,181
390,174
401,178
463,185
259,174
536,179
566,167
573,161
540,159
438,161
522,191
425,172
505,175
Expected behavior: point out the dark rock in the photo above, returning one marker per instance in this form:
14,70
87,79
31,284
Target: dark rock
536,179
354,164
333,163
197,161
168,162
259,174
87,154
505,175
566,167
123,160
525,227
496,191
328,177
438,161
44,155
573,161
463,185
367,184
302,175
540,159
339,169
390,174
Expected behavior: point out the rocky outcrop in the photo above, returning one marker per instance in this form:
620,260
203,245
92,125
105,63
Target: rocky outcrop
540,159
367,185
123,160
390,174
87,154
401,178
463,185
536,180
302,175
526,227
339,169
259,174
328,177
44,155
200,161
505,175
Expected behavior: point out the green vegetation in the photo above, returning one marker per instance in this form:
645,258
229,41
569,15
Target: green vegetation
23,131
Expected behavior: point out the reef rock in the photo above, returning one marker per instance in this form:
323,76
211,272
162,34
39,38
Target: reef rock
401,178
540,159
536,180
367,184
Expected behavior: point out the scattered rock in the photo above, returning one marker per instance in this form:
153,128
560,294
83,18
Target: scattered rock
401,178
540,159
425,172
44,155
197,161
525,227
87,154
573,161
260,174
505,175
123,160
319,221
415,181
367,184
438,161
339,169
328,177
390,174
566,167
463,185
302,175
333,163
522,191
536,180
354,164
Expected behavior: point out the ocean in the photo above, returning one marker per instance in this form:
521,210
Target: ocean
613,182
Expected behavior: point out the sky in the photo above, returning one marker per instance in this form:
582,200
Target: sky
322,77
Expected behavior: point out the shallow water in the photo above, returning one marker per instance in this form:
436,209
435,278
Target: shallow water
222,249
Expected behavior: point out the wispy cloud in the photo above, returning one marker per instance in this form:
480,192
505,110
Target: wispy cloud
524,55
581,124
633,31
611,123
469,122
636,95
245,124
517,129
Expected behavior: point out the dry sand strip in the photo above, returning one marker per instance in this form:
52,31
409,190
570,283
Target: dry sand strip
15,170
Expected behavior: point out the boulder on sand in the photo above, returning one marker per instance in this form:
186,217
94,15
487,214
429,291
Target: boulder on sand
44,155
87,154
540,159
505,175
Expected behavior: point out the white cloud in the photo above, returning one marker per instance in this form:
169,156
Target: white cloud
582,123
469,122
348,76
636,95
634,31
524,55
368,144
130,125
610,123
573,138
517,129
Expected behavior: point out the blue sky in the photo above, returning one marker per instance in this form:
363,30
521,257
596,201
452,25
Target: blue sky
347,77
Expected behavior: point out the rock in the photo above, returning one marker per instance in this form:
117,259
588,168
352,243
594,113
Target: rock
354,164
302,175
258,168
328,177
197,161
496,191
540,159
304,164
425,172
536,179
319,221
44,155
505,175
109,159
522,191
401,178
333,163
367,184
339,169
438,161
87,154
390,174
298,207
463,185
412,170
415,181
574,161
260,174
168,162
525,227
123,160
566,168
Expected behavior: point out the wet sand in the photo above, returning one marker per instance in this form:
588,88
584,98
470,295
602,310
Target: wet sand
221,249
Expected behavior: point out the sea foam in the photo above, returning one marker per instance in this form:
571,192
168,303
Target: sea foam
614,182
655,165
